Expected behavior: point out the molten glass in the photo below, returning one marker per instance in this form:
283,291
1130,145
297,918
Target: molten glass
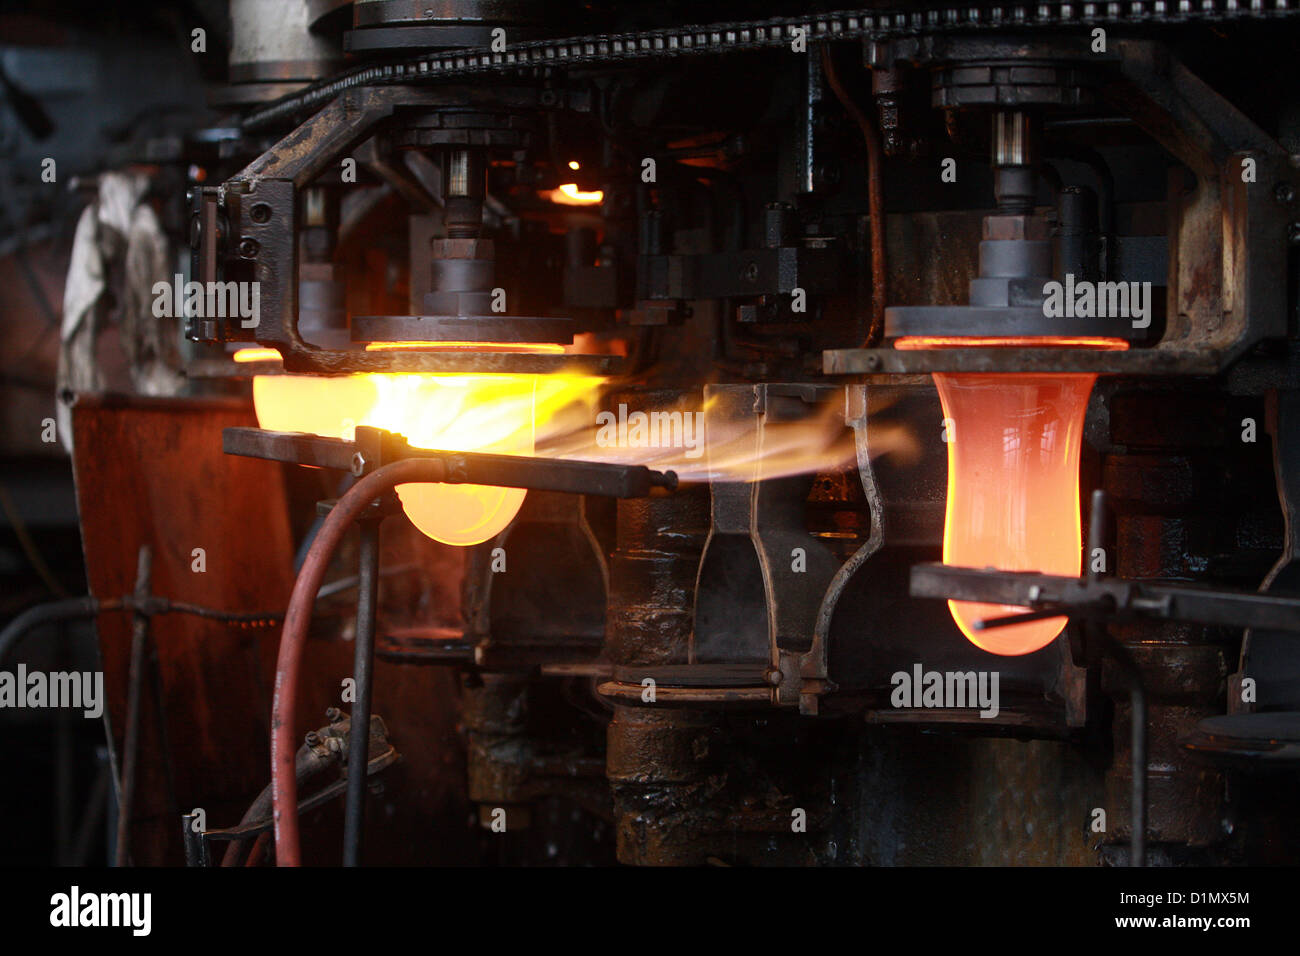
331,406
500,414
489,413
1014,442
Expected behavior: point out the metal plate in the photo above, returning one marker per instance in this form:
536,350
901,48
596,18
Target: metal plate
461,328
999,321
924,361
1267,738
459,361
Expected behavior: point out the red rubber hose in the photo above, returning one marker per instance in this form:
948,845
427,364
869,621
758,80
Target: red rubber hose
284,782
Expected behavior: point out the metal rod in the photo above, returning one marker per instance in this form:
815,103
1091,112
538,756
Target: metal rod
472,468
196,846
131,744
1138,746
1098,516
989,623
160,714
1098,521
363,667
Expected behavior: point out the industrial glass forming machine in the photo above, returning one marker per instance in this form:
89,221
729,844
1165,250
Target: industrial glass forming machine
670,433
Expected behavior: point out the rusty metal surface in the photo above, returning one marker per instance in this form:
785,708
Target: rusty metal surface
691,789
148,472
522,750
1019,803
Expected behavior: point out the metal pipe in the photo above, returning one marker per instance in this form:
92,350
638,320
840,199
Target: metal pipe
363,674
196,845
1138,746
49,613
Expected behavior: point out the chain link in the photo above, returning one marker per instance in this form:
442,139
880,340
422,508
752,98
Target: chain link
713,39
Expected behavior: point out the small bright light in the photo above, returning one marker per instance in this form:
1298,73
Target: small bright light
570,195
574,165
256,355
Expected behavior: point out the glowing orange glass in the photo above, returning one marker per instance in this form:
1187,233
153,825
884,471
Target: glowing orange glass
1014,442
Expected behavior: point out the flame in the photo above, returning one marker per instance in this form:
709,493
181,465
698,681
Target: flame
570,195
1014,442
729,449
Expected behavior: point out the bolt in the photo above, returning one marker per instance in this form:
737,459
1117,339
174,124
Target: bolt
358,464
872,361
1293,233
249,248
773,676
1284,192
261,213
333,715
313,739
750,272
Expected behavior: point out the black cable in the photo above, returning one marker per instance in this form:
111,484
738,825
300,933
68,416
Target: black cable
88,606
51,612
254,619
